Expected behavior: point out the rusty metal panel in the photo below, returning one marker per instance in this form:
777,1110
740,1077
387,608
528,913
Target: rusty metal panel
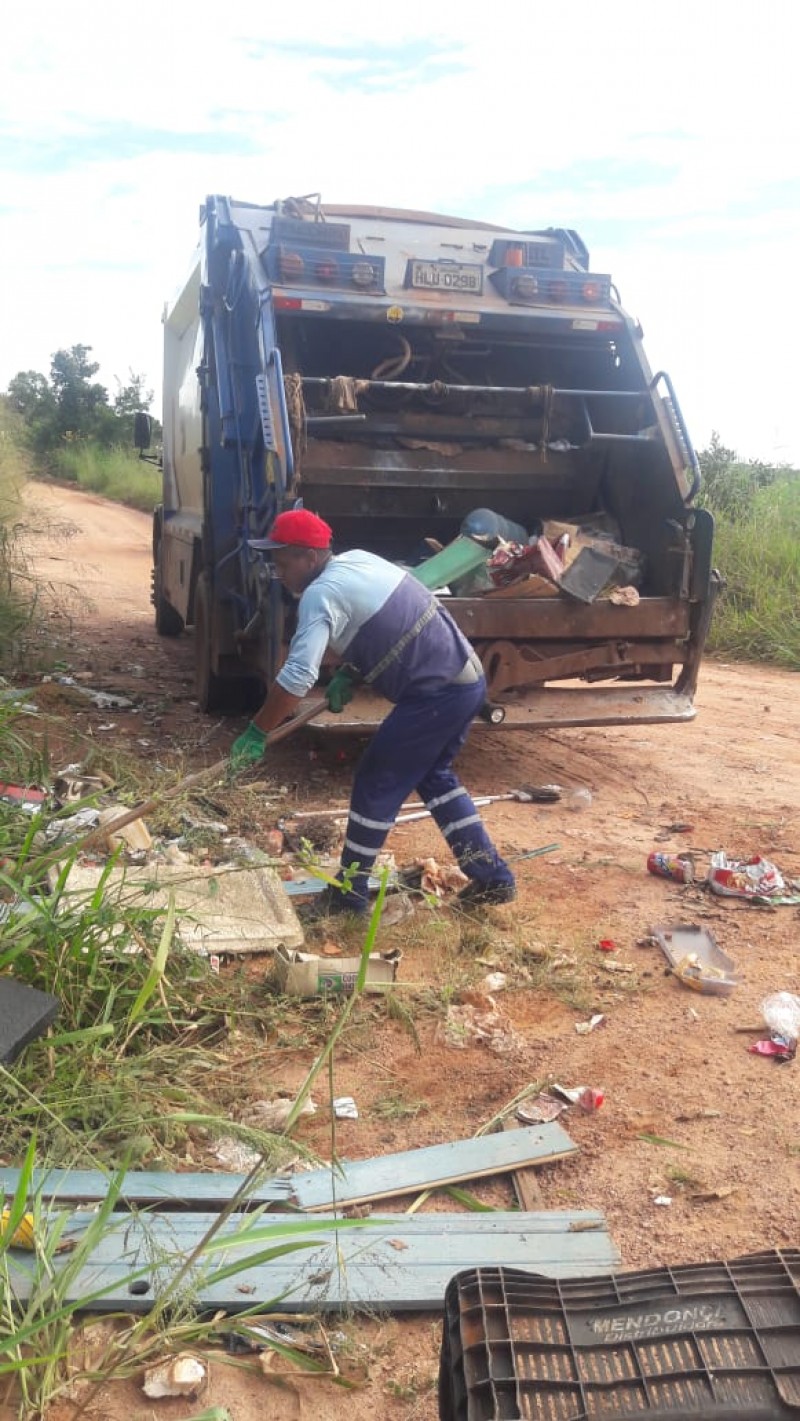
557,619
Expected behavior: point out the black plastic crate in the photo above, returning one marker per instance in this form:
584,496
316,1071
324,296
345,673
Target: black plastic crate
707,1341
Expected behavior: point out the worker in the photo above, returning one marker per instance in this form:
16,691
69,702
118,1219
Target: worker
392,634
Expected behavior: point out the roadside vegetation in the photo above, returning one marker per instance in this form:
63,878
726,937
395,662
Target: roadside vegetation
68,427
756,507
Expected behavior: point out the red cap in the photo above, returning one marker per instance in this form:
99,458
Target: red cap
297,528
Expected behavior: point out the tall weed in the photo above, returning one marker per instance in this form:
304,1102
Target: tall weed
758,552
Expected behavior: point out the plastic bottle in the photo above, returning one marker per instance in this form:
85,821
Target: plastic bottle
579,799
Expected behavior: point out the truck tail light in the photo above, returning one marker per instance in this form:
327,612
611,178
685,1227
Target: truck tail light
515,255
363,274
291,266
326,270
592,291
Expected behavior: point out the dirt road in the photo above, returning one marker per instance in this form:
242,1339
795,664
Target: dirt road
673,1063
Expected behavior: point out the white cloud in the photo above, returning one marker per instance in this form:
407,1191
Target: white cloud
669,138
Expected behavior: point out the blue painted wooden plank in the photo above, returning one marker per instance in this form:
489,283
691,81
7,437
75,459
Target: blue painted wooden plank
397,1263
407,1172
146,1188
383,1177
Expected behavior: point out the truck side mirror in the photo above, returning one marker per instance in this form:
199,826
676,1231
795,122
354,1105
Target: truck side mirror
142,430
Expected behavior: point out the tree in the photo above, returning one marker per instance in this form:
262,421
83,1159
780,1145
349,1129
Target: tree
729,483
73,405
80,402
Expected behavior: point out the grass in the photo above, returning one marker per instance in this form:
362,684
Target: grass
138,1070
17,593
116,473
757,549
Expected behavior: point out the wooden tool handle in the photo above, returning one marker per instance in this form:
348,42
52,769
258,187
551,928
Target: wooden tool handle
104,831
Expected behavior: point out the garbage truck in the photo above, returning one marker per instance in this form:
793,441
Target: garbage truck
416,379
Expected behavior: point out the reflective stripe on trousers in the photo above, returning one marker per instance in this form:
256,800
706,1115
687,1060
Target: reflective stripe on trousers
414,749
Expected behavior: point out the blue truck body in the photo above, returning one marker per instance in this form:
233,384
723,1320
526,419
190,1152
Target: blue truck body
395,371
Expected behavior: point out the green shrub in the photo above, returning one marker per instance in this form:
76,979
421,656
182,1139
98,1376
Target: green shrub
757,549
114,472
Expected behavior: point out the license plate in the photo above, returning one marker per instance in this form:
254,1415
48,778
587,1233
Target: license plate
447,276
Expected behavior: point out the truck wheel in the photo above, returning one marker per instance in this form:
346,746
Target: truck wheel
209,688
168,621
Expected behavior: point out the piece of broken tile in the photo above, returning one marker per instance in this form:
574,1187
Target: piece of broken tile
222,909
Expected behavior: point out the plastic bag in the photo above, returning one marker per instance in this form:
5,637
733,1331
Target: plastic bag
781,1012
755,877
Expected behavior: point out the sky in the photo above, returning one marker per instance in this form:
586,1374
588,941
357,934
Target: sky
667,135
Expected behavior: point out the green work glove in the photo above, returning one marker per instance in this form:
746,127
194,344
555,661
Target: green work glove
248,749
339,691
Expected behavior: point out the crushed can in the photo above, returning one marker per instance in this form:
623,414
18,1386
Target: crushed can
672,866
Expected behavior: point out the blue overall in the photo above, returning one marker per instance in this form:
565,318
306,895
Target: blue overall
414,749
404,644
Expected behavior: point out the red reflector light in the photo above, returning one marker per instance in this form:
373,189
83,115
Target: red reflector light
326,270
363,274
291,266
287,303
592,291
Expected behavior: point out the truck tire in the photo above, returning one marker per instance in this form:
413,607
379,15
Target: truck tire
168,621
210,689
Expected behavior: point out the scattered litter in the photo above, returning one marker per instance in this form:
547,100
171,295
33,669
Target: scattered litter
755,877
320,834
204,826
134,836
696,960
235,1156
710,1196
495,981
23,797
72,825
624,596
305,974
617,967
663,1201
345,1108
607,944
23,1235
272,1115
184,1375
583,1028
479,1019
25,1013
781,1012
221,909
103,700
538,1111
579,799
72,784
588,1097
680,827
439,879
780,1047
396,909
677,867
398,1244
